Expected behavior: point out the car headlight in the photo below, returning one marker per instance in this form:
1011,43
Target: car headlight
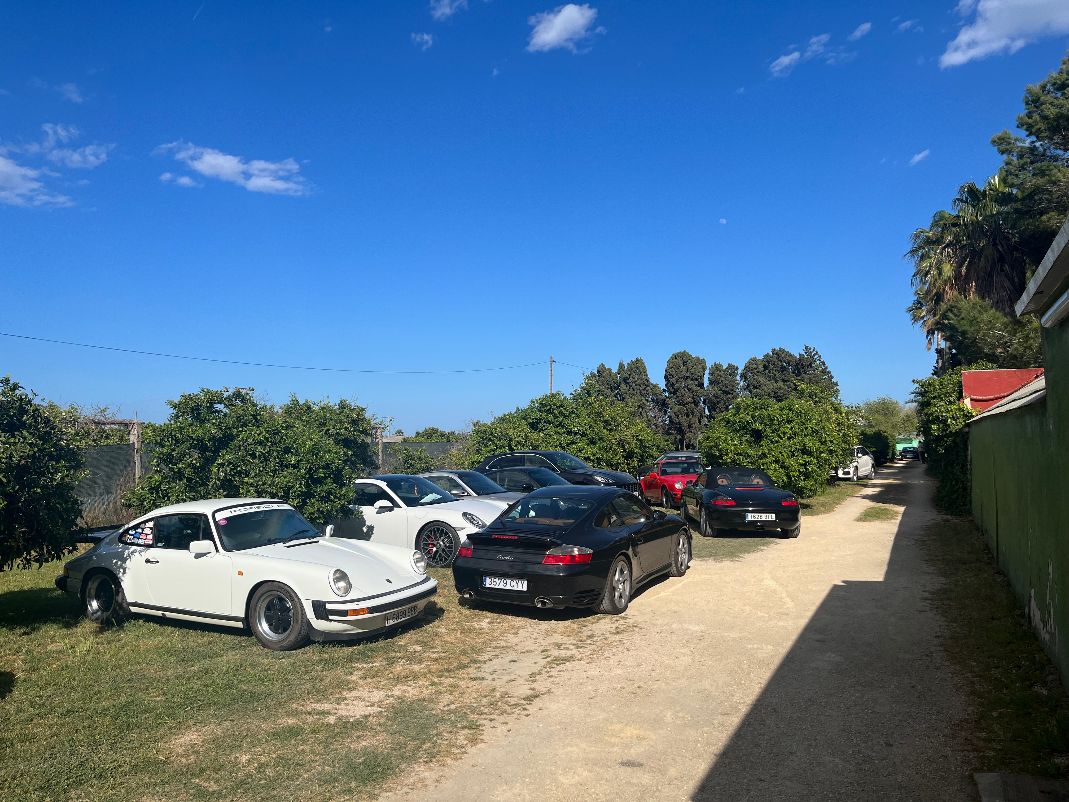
474,520
339,582
419,562
679,485
605,480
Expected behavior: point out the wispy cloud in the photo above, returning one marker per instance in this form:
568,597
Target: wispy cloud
1003,26
859,31
22,186
784,64
723,221
423,40
68,91
917,158
255,175
180,180
25,185
818,47
444,9
909,25
565,27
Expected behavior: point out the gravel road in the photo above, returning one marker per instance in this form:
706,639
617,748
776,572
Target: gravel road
809,670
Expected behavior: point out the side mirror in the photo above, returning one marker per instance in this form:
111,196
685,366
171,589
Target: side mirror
659,515
461,493
382,505
329,531
199,548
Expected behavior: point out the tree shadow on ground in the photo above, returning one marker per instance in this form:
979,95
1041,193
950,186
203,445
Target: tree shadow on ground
861,707
7,683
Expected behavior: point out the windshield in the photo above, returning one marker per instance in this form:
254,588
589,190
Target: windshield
415,491
254,525
479,484
546,478
679,468
547,511
566,461
738,477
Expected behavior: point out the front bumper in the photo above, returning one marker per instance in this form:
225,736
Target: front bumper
844,473
561,585
355,618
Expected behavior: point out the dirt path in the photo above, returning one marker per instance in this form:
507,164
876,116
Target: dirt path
809,670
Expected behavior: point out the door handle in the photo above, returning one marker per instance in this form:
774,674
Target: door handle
152,561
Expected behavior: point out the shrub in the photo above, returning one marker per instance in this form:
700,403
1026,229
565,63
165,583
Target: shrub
413,460
39,467
797,441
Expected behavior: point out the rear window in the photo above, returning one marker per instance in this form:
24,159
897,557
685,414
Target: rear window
547,511
680,467
738,477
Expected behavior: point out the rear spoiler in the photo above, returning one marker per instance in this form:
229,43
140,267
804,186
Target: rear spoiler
515,538
94,536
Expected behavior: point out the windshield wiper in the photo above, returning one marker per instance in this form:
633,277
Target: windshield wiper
297,536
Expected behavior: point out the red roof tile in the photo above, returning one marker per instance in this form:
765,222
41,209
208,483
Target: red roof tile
985,388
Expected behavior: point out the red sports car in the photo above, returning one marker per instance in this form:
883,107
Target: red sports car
662,482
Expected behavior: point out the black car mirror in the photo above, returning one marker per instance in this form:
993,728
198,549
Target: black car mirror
659,515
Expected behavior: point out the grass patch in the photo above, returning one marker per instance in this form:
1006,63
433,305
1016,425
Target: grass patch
1020,707
733,546
173,711
877,512
832,496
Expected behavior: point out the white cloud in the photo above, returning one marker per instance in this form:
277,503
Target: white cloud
84,158
71,92
917,158
563,27
256,175
22,186
444,9
816,45
860,31
1003,26
910,25
180,180
422,40
723,221
87,157
784,64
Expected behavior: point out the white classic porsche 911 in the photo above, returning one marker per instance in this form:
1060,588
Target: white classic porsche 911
249,562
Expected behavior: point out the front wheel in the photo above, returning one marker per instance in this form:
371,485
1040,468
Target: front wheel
666,500
617,593
853,474
105,602
277,619
680,553
438,542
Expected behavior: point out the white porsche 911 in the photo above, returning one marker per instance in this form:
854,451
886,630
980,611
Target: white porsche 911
253,563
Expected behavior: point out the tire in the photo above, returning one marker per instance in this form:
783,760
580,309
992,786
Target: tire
680,553
704,527
666,500
617,593
789,533
872,473
277,619
104,600
853,474
438,542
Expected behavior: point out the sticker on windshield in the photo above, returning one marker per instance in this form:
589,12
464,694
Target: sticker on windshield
230,512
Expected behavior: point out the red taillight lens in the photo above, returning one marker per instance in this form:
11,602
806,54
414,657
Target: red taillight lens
568,555
465,551
505,537
789,502
724,502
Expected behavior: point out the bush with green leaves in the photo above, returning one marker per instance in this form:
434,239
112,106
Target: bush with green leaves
604,433
226,443
413,460
882,421
39,467
796,441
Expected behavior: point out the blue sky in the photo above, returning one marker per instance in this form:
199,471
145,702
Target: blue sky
412,186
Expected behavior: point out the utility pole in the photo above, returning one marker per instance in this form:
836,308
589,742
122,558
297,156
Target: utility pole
551,374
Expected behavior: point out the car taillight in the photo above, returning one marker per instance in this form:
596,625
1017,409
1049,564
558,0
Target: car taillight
466,551
724,502
568,555
789,502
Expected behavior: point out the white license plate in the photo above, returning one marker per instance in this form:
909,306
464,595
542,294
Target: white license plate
760,516
400,615
504,583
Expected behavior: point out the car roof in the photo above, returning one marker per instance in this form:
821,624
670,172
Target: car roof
209,505
678,455
596,491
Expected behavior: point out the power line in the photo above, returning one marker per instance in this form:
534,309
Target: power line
264,364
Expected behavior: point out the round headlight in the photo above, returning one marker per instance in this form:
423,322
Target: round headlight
474,520
679,485
419,563
339,582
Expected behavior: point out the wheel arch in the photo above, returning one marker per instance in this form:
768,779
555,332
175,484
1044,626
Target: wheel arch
94,571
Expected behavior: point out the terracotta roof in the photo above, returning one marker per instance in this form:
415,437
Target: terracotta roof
982,389
1031,393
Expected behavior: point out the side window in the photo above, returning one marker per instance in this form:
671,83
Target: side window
535,461
448,483
608,518
178,531
367,494
630,510
700,481
512,461
143,534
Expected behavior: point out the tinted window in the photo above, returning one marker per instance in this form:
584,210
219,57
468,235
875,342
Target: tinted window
510,480
447,483
512,461
547,511
631,510
543,477
415,491
178,531
367,494
567,462
479,484
607,518
678,468
536,461
142,534
253,525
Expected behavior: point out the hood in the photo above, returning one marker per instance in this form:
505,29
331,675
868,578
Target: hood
486,509
508,496
617,476
368,565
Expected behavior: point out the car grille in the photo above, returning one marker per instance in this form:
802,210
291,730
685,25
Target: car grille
634,488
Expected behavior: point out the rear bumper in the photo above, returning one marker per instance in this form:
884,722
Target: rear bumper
561,585
786,518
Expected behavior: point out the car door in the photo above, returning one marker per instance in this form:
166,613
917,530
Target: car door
647,480
181,581
690,501
382,526
136,559
649,540
865,462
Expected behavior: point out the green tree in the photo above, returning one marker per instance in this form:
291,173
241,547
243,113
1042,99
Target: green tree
39,467
779,373
977,332
82,431
646,397
882,421
797,441
604,433
413,460
225,443
432,434
721,388
684,386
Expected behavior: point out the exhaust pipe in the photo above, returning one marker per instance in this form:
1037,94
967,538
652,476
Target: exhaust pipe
542,602
467,594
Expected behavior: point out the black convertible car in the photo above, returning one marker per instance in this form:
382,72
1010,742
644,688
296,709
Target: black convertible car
739,498
572,546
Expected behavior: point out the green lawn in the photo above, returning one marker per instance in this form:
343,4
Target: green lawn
878,512
834,494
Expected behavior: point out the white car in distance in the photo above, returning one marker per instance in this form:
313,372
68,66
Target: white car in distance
413,513
862,466
253,563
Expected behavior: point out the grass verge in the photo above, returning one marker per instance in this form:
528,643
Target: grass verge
1020,707
834,495
877,512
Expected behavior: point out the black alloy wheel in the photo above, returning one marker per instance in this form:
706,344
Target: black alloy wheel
706,528
277,618
439,543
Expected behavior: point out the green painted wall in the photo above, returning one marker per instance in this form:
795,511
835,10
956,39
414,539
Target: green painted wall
1020,498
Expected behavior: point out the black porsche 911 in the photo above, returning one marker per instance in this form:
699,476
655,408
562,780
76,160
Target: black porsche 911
572,546
739,498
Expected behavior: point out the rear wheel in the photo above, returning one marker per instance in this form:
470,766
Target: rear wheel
707,529
105,602
277,619
680,553
872,473
617,593
438,542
